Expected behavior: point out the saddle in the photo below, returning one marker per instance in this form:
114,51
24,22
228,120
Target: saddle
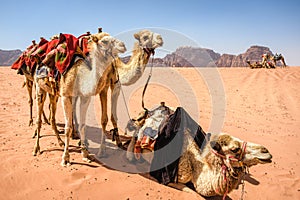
145,127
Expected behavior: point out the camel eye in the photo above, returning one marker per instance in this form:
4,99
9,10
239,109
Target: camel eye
235,150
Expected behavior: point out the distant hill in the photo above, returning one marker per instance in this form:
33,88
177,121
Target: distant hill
202,57
8,57
252,54
185,56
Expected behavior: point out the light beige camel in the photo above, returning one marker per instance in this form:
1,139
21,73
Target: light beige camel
217,169
127,74
85,79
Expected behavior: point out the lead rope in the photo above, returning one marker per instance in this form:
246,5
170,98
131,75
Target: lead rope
119,82
146,85
246,171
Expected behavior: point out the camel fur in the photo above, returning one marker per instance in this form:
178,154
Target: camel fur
85,79
217,169
127,74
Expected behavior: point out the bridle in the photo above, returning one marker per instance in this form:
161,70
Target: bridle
227,168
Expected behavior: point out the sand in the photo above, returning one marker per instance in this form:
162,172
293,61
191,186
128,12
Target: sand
258,105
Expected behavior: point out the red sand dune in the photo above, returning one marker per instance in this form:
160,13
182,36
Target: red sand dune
262,106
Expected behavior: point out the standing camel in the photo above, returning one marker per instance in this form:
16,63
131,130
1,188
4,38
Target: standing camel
278,57
84,79
127,74
26,66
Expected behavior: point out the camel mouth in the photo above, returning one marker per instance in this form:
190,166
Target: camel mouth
261,160
265,158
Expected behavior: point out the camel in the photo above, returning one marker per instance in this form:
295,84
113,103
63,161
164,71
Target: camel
278,57
127,74
213,163
218,168
254,65
85,81
29,73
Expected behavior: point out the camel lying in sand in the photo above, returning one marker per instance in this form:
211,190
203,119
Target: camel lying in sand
257,65
217,169
213,163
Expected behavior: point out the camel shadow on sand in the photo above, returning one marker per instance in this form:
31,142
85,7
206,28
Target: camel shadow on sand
115,158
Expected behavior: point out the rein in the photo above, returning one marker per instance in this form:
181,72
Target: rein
149,77
227,162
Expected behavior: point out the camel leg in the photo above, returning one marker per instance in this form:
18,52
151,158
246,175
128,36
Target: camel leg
181,187
29,85
104,120
75,120
67,109
84,104
53,105
41,96
283,62
103,100
44,115
115,88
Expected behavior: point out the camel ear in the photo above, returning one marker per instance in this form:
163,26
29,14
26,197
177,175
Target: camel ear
95,39
137,36
216,146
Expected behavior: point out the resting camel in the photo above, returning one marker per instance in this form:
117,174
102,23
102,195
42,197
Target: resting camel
217,169
254,65
127,74
83,79
278,57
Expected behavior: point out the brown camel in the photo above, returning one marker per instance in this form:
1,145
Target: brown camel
278,57
29,74
254,65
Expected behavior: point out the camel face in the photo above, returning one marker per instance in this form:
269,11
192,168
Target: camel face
256,154
111,45
247,153
149,39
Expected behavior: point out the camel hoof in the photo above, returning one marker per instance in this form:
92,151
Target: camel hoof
34,134
61,143
36,151
86,160
30,122
65,163
102,152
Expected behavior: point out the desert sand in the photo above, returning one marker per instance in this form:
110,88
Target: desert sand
257,105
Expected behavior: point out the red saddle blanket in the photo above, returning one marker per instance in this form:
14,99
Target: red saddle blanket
26,58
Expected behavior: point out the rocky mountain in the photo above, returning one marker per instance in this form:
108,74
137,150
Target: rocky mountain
202,57
185,56
252,54
8,57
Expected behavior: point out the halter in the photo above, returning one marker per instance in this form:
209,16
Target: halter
227,161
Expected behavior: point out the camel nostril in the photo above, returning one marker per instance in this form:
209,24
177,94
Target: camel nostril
264,150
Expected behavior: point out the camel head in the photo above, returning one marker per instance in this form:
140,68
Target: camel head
149,40
110,45
238,152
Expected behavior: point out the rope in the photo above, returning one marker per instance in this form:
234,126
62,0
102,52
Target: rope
146,85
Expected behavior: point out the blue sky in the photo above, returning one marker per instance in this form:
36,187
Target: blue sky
226,26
